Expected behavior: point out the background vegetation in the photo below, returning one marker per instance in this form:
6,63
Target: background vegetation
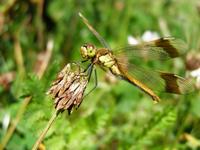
116,115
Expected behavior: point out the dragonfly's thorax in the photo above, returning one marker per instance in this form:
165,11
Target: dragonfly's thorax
105,58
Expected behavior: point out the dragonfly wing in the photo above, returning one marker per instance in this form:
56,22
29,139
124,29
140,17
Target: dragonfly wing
160,49
176,84
158,81
96,34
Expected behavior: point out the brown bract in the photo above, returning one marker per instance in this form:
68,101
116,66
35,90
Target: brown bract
6,79
68,89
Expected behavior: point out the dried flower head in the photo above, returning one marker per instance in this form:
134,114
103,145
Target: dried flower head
68,89
192,61
6,79
193,65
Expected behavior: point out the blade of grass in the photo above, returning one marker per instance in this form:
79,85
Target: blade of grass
19,56
26,101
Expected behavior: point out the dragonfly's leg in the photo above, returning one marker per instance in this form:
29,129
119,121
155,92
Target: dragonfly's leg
96,82
103,68
88,69
79,64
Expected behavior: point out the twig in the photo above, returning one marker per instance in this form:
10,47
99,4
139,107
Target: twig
44,132
8,6
46,59
40,27
19,56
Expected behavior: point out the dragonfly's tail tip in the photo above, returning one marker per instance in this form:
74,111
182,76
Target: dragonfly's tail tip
156,100
80,14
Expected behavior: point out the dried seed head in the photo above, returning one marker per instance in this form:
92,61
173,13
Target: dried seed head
192,61
68,89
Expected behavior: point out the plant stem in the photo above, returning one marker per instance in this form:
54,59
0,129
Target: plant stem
44,132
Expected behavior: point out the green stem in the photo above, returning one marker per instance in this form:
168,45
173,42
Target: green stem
44,132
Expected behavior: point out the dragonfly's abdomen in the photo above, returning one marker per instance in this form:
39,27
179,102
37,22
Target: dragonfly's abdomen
141,86
106,59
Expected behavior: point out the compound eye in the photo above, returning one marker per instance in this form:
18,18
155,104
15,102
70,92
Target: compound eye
84,51
90,48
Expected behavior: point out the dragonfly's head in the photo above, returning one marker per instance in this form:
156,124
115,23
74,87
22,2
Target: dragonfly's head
88,51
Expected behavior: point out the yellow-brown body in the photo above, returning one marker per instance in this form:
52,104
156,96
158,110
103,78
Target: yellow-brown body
106,59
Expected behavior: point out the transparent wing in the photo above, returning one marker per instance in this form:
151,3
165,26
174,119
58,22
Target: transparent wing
160,49
98,36
158,81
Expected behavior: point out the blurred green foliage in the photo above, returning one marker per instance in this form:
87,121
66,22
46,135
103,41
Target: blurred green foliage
115,115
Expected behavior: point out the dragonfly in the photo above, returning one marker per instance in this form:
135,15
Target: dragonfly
121,63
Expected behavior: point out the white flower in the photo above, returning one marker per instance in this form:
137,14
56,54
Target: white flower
132,40
146,37
6,121
196,74
149,36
